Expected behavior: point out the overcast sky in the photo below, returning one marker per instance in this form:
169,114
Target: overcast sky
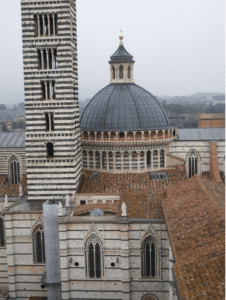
178,45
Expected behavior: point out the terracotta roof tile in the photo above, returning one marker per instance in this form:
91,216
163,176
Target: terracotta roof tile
141,194
196,226
12,190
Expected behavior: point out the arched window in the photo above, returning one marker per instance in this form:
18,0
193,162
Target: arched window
150,260
94,258
121,69
50,150
193,164
2,233
39,244
129,72
14,170
113,72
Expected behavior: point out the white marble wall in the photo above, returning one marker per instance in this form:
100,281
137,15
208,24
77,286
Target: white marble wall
121,245
182,148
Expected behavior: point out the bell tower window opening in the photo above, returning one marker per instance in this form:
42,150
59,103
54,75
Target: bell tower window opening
14,170
121,69
2,233
39,245
129,72
50,150
45,24
193,164
47,121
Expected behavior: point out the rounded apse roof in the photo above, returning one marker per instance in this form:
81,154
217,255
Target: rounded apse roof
124,107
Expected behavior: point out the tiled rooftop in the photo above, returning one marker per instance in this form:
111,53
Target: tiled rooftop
12,190
141,194
195,221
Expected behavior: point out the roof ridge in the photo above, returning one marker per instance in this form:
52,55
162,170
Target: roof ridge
205,190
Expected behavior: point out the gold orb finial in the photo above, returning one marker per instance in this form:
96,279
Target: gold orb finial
121,36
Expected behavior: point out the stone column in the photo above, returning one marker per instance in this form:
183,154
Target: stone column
95,133
142,136
54,31
46,90
94,159
38,18
47,58
114,160
42,59
88,135
117,136
138,161
152,159
163,134
125,136
101,161
125,73
50,123
51,89
134,133
164,158
130,160
145,160
52,52
87,159
48,23
107,157
158,158
156,134
122,161
109,136
43,24
102,136
149,134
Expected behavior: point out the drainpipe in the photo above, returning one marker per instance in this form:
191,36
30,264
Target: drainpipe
52,253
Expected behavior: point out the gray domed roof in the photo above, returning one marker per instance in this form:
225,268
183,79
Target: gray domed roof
124,107
121,55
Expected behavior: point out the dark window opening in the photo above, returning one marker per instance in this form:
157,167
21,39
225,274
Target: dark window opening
121,69
50,150
14,170
113,72
2,233
52,121
91,261
82,202
158,175
149,259
121,134
129,71
43,91
47,121
193,164
39,245
36,25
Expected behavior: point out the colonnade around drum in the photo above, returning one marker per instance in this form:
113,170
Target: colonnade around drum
129,136
124,160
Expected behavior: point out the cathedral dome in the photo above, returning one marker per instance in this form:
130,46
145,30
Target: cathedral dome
124,107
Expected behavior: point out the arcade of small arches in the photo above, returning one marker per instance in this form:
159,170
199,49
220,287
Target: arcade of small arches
129,136
124,160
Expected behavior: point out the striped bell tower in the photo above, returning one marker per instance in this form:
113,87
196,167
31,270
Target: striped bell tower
53,141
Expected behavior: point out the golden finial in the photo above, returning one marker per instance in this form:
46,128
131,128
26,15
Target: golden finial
121,37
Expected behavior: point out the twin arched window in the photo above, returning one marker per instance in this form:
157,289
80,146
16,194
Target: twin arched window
94,258
14,170
192,164
150,259
39,244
